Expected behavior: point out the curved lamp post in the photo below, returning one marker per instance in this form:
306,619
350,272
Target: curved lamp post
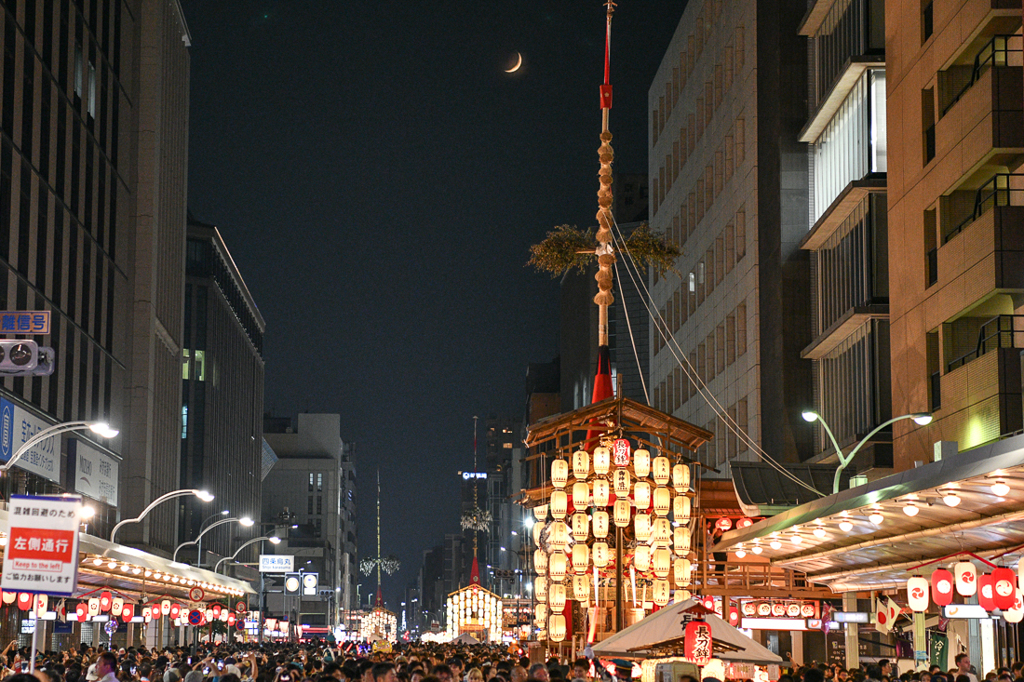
921,418
245,521
274,540
223,512
101,429
201,494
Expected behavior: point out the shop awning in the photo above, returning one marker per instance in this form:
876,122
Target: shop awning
877,556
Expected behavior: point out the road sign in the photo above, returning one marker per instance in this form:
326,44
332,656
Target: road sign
292,584
195,617
240,625
310,584
196,594
25,322
42,545
241,606
277,563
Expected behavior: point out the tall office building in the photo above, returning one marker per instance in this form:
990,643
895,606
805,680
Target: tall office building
222,394
729,184
848,238
93,170
503,443
956,205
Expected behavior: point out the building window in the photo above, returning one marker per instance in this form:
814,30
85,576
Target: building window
185,362
184,422
319,482
309,505
319,504
927,21
928,123
310,481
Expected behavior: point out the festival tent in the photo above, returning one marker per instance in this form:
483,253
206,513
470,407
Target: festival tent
664,629
465,638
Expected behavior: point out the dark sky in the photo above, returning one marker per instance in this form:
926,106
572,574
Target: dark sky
378,180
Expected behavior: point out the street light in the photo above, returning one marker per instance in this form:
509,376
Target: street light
201,494
920,418
274,540
244,521
199,552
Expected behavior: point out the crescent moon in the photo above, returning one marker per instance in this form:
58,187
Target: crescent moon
518,64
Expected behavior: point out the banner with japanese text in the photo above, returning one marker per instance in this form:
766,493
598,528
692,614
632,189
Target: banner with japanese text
42,545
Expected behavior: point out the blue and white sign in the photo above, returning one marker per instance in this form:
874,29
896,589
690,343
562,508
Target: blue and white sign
25,322
94,473
277,563
16,427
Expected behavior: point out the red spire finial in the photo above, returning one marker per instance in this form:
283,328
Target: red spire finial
606,88
380,598
474,575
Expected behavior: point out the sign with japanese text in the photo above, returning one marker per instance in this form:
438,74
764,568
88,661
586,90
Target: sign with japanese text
277,563
620,450
17,426
94,473
697,638
42,545
25,322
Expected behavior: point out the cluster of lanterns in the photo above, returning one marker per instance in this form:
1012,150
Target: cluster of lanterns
107,605
380,623
160,576
275,627
647,498
999,589
473,608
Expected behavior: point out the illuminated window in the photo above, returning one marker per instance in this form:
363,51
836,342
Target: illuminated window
184,421
200,365
185,362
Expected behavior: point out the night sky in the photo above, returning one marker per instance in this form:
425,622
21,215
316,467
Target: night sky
379,180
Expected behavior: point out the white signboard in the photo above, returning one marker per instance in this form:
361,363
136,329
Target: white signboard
42,545
277,563
16,427
95,472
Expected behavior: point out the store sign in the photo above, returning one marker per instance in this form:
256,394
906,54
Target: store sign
42,545
277,563
94,473
965,611
16,427
471,475
788,624
851,617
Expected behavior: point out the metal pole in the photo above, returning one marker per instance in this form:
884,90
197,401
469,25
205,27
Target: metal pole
618,579
263,607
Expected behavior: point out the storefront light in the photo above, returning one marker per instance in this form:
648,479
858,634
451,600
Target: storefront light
951,499
845,526
910,509
876,518
1000,489
819,532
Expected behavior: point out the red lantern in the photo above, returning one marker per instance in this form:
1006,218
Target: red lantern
942,587
723,524
986,593
105,601
231,619
709,603
127,612
698,642
734,617
216,608
25,601
175,611
1004,588
82,610
156,611
620,450
744,523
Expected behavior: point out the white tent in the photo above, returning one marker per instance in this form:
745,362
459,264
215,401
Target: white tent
466,638
666,624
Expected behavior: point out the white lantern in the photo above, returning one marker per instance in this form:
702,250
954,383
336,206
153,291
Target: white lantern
556,597
642,494
540,588
557,566
540,512
681,540
642,558
621,513
1016,613
538,528
662,501
681,478
540,561
581,587
600,554
556,627
966,578
559,504
661,592
559,473
681,569
681,595
661,561
681,509
580,526
642,527
600,523
580,557
662,470
661,532
642,463
622,482
580,495
917,594
602,492
602,460
581,464
558,537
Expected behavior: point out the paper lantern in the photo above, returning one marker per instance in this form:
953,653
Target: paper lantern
661,562
621,482
681,571
580,495
116,606
580,557
175,610
600,554
580,527
966,578
661,470
642,463
10,597
581,464
223,617
127,612
986,592
681,595
540,588
106,601
681,540
662,501
156,611
558,537
1015,613
681,478
744,523
538,529
541,612
559,504
540,561
942,587
621,513
557,566
231,619
556,597
697,642
25,601
540,512
642,527
642,494
165,606
94,606
917,594
661,591
602,492
600,524
661,532
41,602
642,558
681,509
82,610
581,587
620,452
556,627
602,460
559,473
1004,587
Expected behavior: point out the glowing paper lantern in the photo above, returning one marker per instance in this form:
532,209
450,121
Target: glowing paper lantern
986,592
116,606
175,610
681,509
580,495
620,452
540,561
661,532
581,464
1004,587
602,492
540,588
106,600
10,597
621,482
127,612
642,463
917,594
681,572
559,504
94,605
681,540
661,592
621,513
41,602
540,512
557,566
1015,613
662,501
580,557
600,524
642,558
942,587
538,529
165,606
1020,571
642,527
966,578
581,587
82,610
681,478
580,526
697,642
600,554
559,473
661,561
602,460
556,597
642,494
556,627
541,612
661,470
558,537
156,611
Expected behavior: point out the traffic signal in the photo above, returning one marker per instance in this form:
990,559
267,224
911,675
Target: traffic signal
24,357
292,584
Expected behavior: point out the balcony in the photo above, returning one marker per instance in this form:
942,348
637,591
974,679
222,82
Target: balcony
1001,331
1000,51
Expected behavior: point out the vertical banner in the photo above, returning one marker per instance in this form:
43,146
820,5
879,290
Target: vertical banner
42,545
938,650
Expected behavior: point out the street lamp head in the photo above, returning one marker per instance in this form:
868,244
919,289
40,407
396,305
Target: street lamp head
922,418
103,430
246,521
225,512
204,495
274,540
86,512
809,416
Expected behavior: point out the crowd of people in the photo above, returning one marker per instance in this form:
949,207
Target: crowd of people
883,671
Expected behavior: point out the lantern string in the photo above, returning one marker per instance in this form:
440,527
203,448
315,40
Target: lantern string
958,554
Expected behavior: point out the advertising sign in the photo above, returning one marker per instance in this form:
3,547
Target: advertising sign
94,473
42,545
277,563
16,427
